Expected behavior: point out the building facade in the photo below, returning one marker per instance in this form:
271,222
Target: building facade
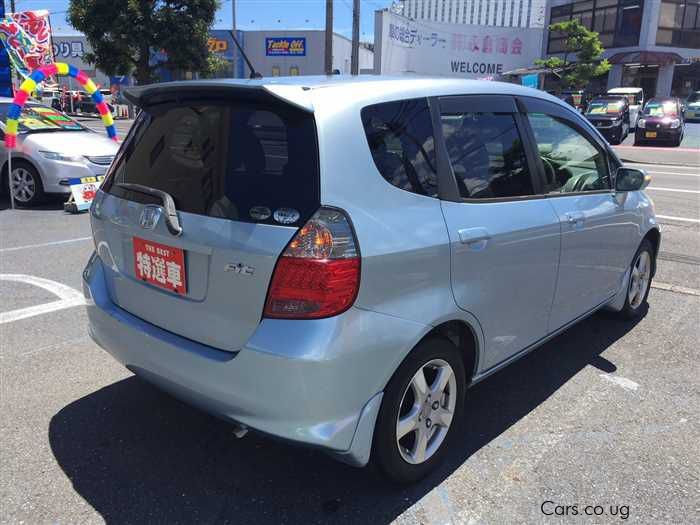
652,44
500,13
288,53
72,49
273,53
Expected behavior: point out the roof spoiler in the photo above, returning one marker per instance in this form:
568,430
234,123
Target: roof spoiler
151,94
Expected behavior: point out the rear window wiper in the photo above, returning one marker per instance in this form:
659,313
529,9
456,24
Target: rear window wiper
171,220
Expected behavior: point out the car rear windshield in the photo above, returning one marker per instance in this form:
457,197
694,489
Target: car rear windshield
605,107
240,161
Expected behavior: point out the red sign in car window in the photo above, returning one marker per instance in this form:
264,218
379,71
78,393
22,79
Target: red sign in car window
160,265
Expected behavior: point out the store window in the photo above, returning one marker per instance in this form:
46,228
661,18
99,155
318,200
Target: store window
679,24
294,71
276,71
618,22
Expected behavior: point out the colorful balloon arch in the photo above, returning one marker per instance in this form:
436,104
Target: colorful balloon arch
37,76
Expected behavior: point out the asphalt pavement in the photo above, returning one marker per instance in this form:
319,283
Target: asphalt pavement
604,415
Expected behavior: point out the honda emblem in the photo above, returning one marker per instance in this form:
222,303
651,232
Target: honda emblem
149,217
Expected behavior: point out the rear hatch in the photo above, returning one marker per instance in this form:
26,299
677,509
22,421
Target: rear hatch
242,169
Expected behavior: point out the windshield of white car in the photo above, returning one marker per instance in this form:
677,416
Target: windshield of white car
36,118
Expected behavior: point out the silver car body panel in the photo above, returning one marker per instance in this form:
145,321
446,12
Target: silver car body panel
319,382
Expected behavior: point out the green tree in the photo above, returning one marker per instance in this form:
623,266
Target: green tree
124,33
215,64
581,43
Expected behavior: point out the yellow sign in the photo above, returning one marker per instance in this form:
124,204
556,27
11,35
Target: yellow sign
217,46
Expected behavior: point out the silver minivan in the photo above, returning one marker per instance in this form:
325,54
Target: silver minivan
334,261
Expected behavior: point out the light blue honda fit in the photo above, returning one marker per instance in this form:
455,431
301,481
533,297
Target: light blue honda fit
334,261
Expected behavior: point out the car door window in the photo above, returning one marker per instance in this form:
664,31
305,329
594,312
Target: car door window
572,163
487,155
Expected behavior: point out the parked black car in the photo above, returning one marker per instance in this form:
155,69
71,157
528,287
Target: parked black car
661,120
610,114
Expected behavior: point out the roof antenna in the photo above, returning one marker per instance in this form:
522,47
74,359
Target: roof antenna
253,73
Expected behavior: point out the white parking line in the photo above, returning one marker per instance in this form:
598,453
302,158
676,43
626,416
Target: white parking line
692,170
673,173
44,244
68,297
656,188
682,219
625,383
661,166
675,288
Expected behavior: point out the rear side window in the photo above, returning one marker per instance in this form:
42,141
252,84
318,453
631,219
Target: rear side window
400,137
487,155
221,159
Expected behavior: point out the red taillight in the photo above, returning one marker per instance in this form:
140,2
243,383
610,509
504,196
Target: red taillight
318,275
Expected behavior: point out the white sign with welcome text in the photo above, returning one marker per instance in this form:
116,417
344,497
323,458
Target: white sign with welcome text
403,45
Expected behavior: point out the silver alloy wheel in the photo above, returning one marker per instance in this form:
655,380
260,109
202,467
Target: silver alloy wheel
639,280
426,411
22,185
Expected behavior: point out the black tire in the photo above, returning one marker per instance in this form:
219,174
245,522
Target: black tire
385,449
636,310
4,185
38,195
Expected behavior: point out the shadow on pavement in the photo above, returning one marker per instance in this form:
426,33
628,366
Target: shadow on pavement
51,202
137,455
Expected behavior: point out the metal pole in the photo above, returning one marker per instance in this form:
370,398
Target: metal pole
9,178
9,150
354,57
328,61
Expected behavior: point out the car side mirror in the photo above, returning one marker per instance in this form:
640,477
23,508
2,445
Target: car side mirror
631,179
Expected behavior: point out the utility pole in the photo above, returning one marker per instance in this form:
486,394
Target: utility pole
12,6
355,55
328,59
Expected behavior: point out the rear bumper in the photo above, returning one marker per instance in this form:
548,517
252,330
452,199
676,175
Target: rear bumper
661,134
317,382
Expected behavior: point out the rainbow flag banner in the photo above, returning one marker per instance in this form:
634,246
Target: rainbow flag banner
27,39
37,76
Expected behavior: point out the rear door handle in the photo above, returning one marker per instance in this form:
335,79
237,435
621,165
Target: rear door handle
575,217
472,236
